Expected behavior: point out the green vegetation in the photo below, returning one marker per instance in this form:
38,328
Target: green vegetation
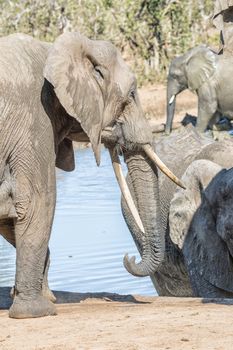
148,32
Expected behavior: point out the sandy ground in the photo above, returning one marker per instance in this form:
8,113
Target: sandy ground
113,322
153,100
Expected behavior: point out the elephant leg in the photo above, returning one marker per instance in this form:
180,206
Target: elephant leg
7,231
46,291
214,120
203,120
207,107
35,209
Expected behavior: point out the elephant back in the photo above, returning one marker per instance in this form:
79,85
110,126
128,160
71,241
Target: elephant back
22,61
220,153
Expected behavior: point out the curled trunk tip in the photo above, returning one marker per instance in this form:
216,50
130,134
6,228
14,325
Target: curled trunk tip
144,268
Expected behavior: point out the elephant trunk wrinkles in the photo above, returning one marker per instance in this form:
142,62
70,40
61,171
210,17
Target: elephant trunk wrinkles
143,183
172,91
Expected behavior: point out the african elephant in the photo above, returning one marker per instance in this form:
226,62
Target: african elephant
180,151
52,94
223,21
209,75
203,218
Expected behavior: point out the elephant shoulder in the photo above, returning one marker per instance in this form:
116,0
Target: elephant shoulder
200,66
220,152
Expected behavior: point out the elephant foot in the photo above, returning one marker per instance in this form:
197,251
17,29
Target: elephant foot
38,306
209,134
46,292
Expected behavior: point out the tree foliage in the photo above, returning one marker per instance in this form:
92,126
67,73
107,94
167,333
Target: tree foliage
148,32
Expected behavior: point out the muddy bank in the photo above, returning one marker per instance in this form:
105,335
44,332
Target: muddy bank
110,321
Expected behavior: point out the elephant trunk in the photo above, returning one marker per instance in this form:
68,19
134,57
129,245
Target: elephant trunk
142,180
172,91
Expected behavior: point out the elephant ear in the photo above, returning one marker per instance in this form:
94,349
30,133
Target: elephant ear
67,68
65,156
200,67
206,254
185,202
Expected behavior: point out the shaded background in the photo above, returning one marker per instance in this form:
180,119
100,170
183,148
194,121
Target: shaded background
148,32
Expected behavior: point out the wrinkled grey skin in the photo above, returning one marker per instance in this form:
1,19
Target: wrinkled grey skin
7,216
209,75
51,94
179,151
203,218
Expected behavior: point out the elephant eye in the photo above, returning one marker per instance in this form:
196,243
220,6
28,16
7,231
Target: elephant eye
132,94
98,73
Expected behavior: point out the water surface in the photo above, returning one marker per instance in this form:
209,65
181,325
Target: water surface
89,236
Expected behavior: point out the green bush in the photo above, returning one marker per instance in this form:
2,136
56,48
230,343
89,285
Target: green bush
148,32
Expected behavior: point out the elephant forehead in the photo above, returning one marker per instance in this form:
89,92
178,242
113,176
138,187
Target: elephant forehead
108,56
226,182
175,64
104,51
125,81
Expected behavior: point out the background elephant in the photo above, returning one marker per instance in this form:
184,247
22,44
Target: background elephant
223,20
52,94
180,151
207,240
209,75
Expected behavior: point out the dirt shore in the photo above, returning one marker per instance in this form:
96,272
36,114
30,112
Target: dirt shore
113,322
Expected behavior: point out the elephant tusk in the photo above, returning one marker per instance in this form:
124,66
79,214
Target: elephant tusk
172,99
155,159
124,187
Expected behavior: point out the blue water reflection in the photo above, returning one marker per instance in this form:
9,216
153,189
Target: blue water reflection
89,237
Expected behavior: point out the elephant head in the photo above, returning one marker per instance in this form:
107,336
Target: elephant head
90,89
189,71
201,223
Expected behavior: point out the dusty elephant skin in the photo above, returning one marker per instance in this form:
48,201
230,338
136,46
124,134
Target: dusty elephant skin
168,211
52,94
209,75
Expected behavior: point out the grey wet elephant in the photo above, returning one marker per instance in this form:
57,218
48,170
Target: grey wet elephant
203,218
52,94
209,75
181,151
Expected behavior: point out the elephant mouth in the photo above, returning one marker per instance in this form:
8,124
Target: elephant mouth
109,139
122,182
